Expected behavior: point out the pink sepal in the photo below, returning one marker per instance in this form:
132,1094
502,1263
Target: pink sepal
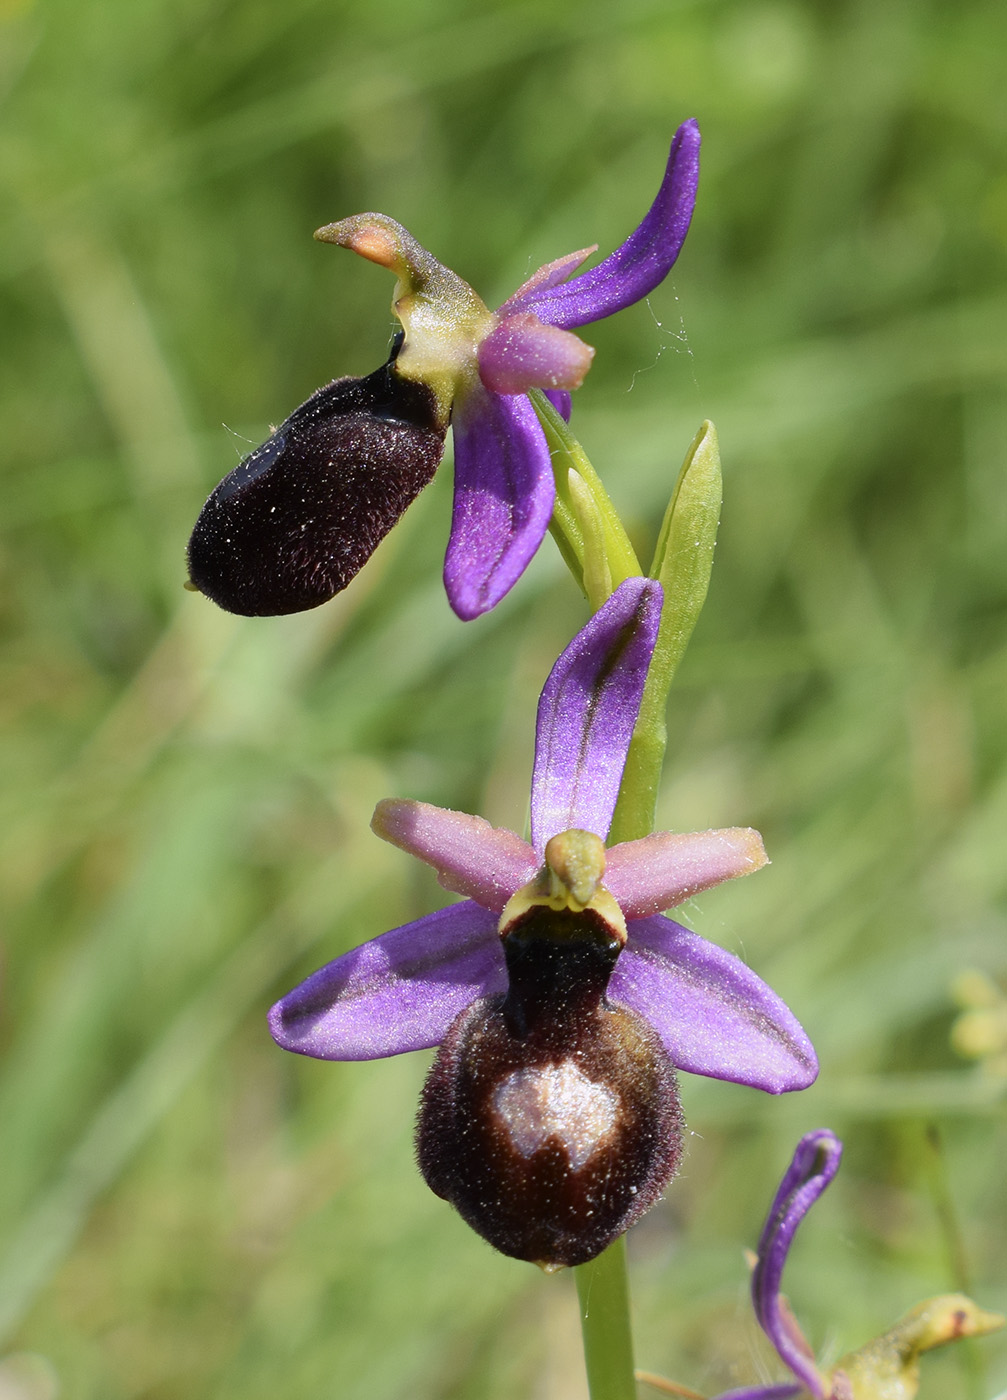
483,862
657,872
521,353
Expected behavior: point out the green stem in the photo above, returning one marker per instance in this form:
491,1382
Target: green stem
603,1290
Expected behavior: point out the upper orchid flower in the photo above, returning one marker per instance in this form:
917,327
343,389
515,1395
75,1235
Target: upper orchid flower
293,523
887,1368
562,999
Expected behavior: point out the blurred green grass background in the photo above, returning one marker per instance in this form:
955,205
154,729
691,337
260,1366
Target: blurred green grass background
184,1210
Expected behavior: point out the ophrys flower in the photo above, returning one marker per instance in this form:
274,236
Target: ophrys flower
293,523
562,1001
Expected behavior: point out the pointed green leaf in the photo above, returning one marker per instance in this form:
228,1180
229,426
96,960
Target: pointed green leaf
682,564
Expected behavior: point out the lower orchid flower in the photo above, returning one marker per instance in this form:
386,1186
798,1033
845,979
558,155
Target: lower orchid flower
295,521
562,1000
887,1368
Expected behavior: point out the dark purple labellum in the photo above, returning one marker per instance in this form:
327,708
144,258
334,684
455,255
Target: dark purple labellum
294,522
550,1118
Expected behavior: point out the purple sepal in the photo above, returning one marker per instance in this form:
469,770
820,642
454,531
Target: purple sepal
562,402
398,992
587,712
548,275
503,498
713,1014
815,1162
643,261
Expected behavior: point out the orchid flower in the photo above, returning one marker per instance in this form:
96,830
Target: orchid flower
561,998
293,523
887,1368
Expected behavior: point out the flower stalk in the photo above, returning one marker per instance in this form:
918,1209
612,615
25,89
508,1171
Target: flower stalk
603,1294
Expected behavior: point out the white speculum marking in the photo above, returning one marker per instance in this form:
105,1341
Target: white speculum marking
556,1101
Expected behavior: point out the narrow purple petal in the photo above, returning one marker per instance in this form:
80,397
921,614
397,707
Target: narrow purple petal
398,992
657,872
641,263
814,1164
713,1014
561,401
520,353
587,712
503,498
485,863
548,275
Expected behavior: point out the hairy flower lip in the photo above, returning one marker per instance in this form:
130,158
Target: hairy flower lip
402,990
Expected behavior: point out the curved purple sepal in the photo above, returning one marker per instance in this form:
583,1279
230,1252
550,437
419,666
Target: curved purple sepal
643,261
815,1162
398,992
713,1014
587,712
503,498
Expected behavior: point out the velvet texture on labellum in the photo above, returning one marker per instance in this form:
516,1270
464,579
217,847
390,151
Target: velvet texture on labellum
294,522
298,518
561,1000
551,1117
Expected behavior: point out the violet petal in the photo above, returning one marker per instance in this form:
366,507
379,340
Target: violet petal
714,1015
815,1163
520,353
657,872
398,992
548,275
485,863
643,261
561,401
503,498
587,711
